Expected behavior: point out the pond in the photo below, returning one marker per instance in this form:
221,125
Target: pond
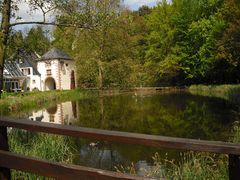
177,114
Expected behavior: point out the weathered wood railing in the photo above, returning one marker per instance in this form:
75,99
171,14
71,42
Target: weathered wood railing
10,160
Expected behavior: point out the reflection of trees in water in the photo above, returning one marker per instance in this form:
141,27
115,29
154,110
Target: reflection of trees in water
52,110
178,115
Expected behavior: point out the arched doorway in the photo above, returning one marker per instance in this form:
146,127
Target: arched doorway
72,80
50,84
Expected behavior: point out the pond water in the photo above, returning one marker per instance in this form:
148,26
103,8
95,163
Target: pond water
167,114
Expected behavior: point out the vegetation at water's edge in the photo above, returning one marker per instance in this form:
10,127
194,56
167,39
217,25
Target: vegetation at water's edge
15,102
49,147
228,92
193,165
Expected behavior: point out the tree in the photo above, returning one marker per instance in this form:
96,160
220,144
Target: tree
36,40
7,10
96,45
197,28
15,42
161,40
62,7
226,68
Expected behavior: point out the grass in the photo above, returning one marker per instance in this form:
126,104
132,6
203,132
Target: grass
227,92
49,147
191,166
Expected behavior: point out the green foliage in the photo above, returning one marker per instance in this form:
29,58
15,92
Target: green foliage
49,147
192,166
16,41
36,40
175,43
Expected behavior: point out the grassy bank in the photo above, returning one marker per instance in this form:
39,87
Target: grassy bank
11,103
228,92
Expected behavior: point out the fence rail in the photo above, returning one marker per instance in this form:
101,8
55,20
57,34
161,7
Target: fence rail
57,170
233,150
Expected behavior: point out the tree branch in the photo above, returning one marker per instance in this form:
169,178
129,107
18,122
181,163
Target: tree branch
52,24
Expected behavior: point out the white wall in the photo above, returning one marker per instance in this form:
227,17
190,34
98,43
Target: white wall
66,77
32,78
42,69
61,74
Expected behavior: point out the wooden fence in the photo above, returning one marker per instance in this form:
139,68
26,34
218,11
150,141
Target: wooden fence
9,160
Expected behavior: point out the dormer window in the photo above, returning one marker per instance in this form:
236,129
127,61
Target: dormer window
20,61
26,71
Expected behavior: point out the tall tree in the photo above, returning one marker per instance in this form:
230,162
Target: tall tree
15,42
62,7
7,8
226,69
36,40
98,39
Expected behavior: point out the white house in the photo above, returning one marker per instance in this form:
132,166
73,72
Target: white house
12,76
57,71
27,62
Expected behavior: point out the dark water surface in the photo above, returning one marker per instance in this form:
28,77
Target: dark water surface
166,114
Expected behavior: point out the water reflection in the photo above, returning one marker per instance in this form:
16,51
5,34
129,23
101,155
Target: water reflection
176,115
64,113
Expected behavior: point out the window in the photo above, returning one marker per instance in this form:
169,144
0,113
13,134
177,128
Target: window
49,72
62,67
48,64
20,61
34,81
26,71
12,86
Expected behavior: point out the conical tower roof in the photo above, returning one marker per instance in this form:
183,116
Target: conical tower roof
55,53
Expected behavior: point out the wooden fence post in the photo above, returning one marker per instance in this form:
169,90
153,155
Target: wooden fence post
234,167
4,172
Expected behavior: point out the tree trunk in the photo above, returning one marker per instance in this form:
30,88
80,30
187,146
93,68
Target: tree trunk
100,75
5,26
4,31
4,172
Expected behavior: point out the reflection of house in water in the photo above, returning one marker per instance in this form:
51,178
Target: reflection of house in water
64,113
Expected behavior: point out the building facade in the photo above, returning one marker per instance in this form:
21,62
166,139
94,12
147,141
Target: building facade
55,70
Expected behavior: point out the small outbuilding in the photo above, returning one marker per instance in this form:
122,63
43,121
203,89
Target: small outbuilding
57,71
